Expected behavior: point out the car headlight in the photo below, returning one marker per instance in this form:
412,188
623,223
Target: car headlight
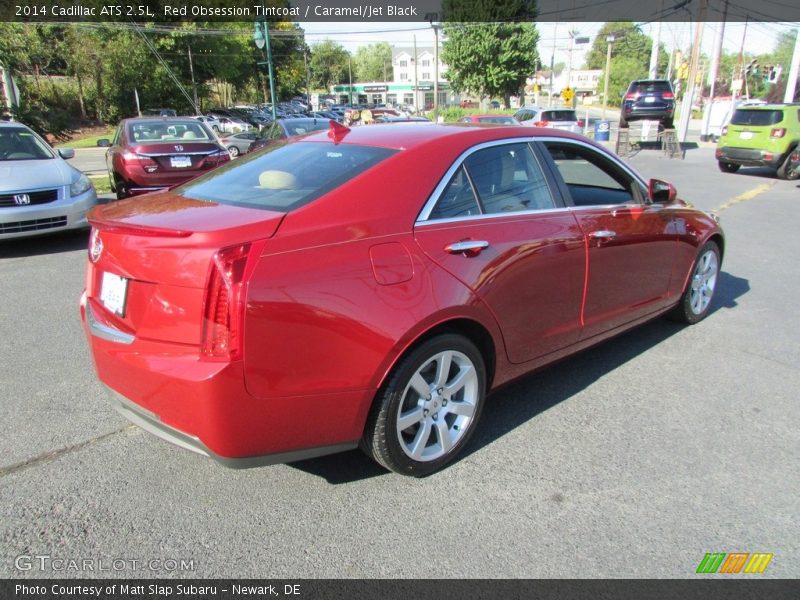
81,185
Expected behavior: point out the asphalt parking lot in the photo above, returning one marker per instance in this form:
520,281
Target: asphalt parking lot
633,459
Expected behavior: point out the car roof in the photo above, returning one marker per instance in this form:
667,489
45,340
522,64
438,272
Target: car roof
775,106
401,136
13,124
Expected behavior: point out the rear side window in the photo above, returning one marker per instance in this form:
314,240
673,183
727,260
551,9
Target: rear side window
285,178
559,115
499,179
744,116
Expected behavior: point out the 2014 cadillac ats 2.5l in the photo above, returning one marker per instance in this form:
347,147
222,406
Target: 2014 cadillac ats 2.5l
370,286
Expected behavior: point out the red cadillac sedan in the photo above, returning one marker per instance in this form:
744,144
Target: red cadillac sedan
369,287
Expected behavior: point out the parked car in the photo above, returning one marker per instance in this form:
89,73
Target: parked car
492,119
231,124
648,99
401,119
211,121
760,136
370,286
238,143
564,119
468,104
149,154
160,112
286,128
39,192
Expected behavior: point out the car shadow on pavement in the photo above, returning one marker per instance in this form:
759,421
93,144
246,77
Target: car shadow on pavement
517,403
67,241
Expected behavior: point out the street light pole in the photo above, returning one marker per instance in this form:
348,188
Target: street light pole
262,40
609,40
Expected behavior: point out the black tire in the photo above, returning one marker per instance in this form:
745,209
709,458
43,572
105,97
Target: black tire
668,124
427,416
697,297
727,167
121,188
233,151
785,172
623,124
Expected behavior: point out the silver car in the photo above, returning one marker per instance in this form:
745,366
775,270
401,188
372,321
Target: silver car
557,118
39,192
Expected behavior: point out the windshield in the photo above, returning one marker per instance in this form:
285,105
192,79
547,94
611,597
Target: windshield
20,143
286,177
168,131
744,116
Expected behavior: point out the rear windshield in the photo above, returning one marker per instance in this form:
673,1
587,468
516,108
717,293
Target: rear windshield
166,131
498,120
559,115
643,87
286,177
744,116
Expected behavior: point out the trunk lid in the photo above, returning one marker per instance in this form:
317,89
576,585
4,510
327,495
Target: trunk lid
149,261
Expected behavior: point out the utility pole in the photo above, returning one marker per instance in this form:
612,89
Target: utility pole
552,67
416,92
350,79
308,78
688,97
435,68
194,85
609,41
653,73
740,64
791,83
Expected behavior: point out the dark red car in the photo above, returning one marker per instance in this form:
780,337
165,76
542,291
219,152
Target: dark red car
149,154
370,286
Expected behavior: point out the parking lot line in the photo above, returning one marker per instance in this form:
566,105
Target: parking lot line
744,197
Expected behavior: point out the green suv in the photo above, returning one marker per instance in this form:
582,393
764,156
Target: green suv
760,136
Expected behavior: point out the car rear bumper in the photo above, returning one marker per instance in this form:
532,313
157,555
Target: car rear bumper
153,424
204,406
748,157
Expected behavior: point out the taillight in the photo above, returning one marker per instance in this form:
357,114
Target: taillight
580,122
217,158
632,96
778,132
147,163
226,295
667,95
541,123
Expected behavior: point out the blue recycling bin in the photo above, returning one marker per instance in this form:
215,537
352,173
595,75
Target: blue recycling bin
602,131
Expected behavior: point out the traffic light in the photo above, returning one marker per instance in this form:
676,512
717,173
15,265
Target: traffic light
752,67
775,74
767,73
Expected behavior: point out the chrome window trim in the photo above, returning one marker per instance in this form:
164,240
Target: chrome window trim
500,215
427,208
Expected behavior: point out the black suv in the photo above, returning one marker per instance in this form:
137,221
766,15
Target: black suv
648,99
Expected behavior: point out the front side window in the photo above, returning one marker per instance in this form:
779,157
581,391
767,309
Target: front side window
592,179
499,179
286,177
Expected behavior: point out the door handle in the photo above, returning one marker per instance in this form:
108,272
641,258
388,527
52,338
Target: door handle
467,247
603,234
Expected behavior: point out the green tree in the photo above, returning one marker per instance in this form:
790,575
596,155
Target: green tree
630,56
329,64
490,59
373,62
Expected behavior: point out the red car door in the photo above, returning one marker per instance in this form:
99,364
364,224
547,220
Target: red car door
493,224
631,243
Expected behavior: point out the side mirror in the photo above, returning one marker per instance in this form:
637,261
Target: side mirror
66,153
103,143
661,192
